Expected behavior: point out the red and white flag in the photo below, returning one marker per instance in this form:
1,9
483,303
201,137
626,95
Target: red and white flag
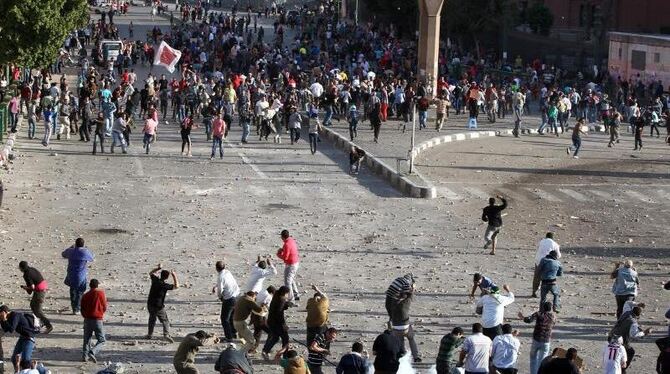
167,56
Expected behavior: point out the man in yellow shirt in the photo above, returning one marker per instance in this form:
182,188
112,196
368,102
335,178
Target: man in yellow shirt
317,314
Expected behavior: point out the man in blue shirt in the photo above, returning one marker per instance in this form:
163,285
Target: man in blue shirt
77,270
482,282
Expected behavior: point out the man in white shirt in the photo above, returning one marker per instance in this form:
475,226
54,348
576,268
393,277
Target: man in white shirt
614,356
476,351
506,350
262,269
492,308
546,245
226,290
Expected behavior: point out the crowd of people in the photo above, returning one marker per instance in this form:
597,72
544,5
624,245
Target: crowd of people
493,345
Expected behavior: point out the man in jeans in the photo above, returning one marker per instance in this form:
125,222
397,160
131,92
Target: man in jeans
93,308
218,133
550,269
78,258
156,300
226,290
491,215
19,323
545,246
544,323
37,286
289,254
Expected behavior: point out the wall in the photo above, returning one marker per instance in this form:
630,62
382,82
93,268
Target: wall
621,47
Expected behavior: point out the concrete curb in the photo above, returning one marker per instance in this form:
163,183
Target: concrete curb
9,144
481,134
379,167
430,143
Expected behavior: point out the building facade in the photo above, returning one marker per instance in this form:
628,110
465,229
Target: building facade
636,57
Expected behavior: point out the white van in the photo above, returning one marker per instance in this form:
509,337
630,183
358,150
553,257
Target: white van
111,49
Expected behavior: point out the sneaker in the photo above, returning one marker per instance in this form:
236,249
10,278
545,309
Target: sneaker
91,357
147,337
169,339
567,150
417,360
575,156
266,356
297,298
48,330
486,245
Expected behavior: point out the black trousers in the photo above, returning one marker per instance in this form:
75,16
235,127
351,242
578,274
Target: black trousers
102,142
620,301
492,332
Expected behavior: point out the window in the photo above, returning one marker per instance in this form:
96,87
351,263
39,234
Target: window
657,58
638,60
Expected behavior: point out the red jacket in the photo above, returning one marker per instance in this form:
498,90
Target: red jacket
289,252
94,304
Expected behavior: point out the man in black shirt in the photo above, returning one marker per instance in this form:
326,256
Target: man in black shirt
19,323
387,348
156,300
37,286
491,214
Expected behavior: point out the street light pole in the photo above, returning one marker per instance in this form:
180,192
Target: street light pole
356,15
411,151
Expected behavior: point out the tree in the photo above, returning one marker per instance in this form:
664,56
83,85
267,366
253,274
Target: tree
401,13
540,19
32,31
474,18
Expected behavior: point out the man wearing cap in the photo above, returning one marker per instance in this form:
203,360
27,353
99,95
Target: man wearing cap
37,286
492,308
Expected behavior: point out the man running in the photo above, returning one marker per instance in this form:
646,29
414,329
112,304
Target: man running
289,254
492,215
37,286
93,308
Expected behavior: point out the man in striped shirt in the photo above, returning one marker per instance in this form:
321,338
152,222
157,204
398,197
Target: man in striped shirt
400,289
318,349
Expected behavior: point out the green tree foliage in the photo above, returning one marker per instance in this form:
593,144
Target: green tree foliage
32,31
540,19
475,18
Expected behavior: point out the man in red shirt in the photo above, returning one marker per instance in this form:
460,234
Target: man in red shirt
93,308
218,133
289,254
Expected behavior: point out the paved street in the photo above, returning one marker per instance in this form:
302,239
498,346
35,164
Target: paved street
356,233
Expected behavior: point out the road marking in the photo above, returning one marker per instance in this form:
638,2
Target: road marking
292,192
247,161
449,194
543,194
574,194
664,194
639,196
